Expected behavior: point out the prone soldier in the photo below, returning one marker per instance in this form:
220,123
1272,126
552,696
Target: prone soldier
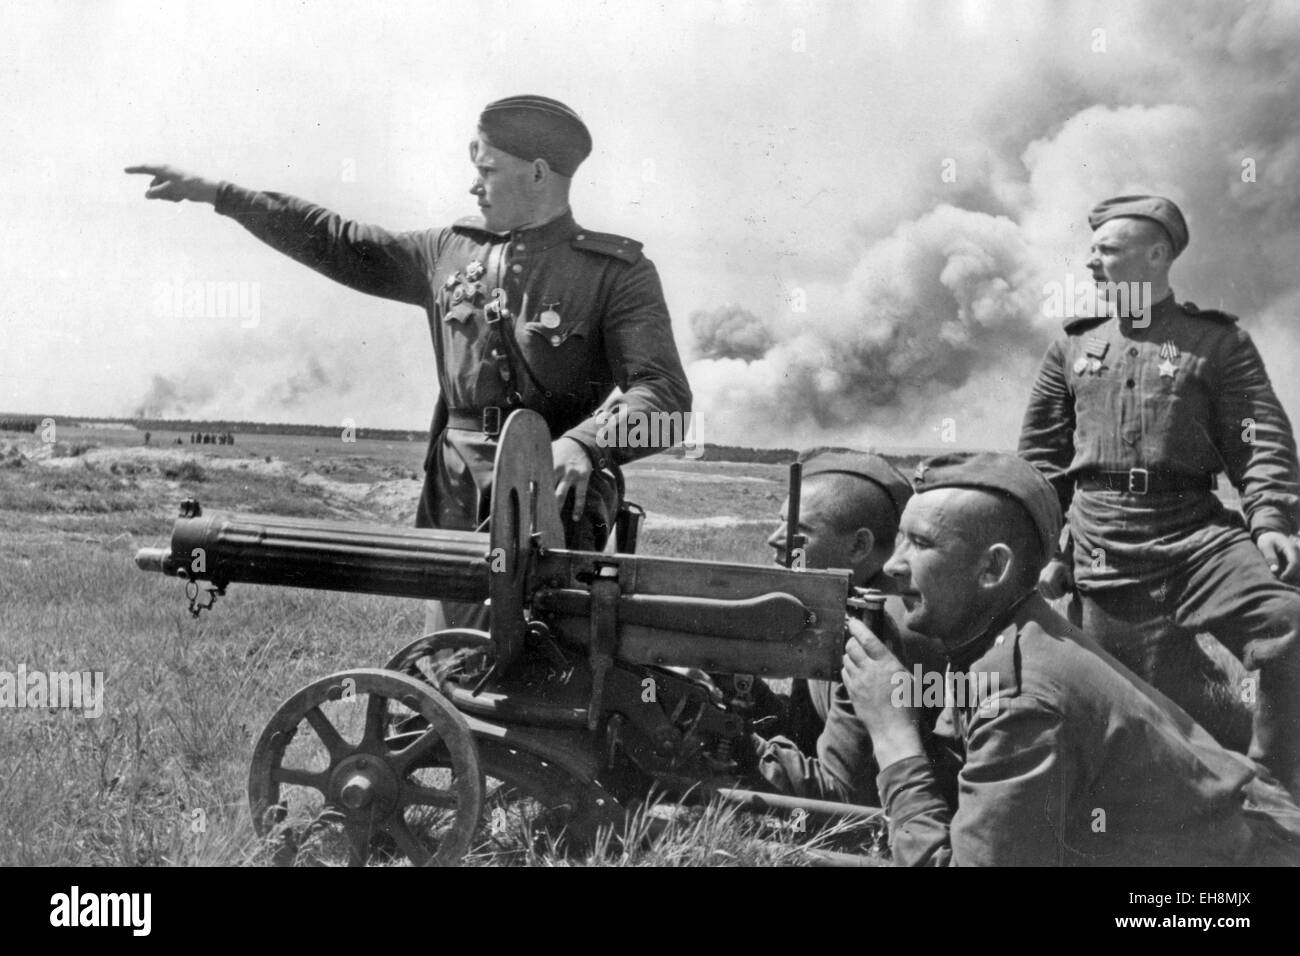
1131,418
1070,758
527,309
848,518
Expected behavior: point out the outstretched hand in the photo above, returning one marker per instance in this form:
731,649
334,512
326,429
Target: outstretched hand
175,184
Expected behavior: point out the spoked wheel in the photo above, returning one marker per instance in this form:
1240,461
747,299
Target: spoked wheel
517,780
348,789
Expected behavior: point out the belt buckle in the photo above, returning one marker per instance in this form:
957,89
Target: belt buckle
492,421
1134,474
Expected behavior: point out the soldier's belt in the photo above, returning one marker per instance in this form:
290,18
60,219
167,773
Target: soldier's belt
1143,481
486,420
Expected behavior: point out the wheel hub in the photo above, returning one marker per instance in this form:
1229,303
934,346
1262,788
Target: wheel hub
364,784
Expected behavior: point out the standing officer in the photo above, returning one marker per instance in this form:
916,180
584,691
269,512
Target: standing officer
848,517
1070,759
527,309
1131,418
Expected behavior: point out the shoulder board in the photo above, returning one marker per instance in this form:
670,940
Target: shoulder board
1084,322
475,226
608,244
1214,315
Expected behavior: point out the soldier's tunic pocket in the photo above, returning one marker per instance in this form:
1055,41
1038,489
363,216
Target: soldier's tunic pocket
557,355
470,376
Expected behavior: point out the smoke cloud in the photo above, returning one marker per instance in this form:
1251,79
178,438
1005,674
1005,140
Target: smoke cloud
730,333
936,331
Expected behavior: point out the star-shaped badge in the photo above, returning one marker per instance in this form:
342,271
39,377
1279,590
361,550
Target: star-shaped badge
1167,369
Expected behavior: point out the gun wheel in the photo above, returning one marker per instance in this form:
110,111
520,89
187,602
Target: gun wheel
460,654
348,790
519,783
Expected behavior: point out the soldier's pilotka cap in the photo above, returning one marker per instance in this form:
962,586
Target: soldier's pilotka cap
536,127
864,465
1006,474
1158,209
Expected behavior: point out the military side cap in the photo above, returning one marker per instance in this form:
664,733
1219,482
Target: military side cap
1005,474
1158,209
535,127
863,465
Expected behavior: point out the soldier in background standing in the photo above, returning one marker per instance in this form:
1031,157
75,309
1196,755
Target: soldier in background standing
1131,418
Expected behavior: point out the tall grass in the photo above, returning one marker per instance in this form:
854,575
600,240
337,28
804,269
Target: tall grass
160,778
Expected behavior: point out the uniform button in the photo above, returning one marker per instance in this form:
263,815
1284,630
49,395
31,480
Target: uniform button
516,268
519,246
1133,352
581,236
1130,383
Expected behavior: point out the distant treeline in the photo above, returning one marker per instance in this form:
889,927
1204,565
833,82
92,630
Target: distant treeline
735,453
261,428
760,456
23,424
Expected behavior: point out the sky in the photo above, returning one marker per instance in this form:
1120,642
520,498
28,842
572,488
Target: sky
855,207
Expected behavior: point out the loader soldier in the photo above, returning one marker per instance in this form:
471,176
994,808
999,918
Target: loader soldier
527,309
1070,758
849,513
1131,418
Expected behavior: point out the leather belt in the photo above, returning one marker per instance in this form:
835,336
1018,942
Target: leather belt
1142,481
486,420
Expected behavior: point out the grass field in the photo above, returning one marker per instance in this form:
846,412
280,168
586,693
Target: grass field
160,777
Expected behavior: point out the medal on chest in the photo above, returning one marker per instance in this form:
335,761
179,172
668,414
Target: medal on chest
550,318
1094,350
1169,358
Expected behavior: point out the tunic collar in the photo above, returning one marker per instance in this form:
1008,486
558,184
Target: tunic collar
973,649
560,229
1160,311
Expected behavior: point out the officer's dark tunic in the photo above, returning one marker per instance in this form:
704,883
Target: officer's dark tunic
586,312
1185,398
1077,762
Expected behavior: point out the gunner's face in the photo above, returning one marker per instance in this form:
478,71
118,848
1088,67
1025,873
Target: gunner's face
936,566
824,545
502,185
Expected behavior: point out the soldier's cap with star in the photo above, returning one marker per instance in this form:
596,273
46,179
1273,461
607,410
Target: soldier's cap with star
1007,475
537,127
863,465
1164,212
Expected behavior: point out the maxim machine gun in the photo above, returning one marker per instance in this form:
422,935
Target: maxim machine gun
580,697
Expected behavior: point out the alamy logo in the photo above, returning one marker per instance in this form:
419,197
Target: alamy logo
102,909
1071,300
624,428
70,690
936,689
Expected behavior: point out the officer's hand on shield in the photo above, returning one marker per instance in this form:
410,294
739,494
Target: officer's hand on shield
572,473
884,695
175,184
1282,555
1057,579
